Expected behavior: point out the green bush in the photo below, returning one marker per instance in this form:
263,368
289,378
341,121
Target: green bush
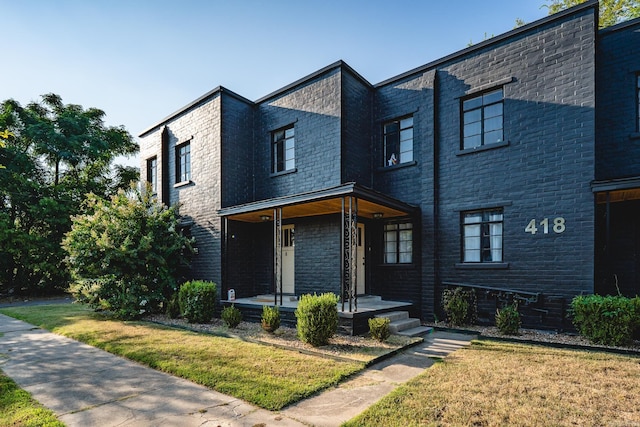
197,301
317,318
270,319
610,320
508,320
379,328
231,316
460,306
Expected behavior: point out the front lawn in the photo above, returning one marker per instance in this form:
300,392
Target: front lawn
266,376
18,409
493,383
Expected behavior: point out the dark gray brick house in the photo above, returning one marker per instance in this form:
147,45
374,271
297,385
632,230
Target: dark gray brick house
511,167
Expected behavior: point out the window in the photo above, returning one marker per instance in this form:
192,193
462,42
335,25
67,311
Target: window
283,150
152,173
638,102
482,236
398,141
398,243
482,119
183,162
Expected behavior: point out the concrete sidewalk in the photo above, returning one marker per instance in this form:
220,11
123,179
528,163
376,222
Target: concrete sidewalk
86,386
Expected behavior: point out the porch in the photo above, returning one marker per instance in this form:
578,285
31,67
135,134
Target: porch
349,322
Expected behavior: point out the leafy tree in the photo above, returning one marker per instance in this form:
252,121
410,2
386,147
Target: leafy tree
4,135
611,11
57,153
126,253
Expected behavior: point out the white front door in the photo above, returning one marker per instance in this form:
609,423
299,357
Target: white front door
288,259
360,255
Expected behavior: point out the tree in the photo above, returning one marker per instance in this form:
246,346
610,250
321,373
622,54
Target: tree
126,253
611,11
56,155
4,135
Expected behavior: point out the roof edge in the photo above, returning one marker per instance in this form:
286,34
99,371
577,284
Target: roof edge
493,40
338,64
192,104
619,26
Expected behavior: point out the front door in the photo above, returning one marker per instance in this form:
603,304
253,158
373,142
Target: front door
360,255
288,259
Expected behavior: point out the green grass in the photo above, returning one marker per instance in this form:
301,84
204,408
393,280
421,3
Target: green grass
266,376
493,383
18,409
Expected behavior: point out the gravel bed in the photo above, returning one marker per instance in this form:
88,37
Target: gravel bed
357,348
535,335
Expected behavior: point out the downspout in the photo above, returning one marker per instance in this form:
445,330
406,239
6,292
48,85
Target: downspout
166,200
436,185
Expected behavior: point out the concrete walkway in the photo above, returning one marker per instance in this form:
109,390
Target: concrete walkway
86,386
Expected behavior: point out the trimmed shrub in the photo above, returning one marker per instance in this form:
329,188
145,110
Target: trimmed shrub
610,320
270,319
231,316
197,301
460,306
379,328
317,317
508,320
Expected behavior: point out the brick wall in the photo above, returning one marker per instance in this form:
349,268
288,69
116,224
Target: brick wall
543,172
617,134
314,110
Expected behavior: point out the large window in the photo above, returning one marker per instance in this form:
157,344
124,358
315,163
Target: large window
398,141
482,236
482,120
152,173
398,243
183,162
283,143
638,102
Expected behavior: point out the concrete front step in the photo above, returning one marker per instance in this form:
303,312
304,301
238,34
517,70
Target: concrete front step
418,331
395,315
400,325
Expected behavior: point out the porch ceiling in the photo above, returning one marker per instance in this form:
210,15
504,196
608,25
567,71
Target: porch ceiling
619,190
322,202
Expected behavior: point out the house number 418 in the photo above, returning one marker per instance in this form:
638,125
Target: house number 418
557,226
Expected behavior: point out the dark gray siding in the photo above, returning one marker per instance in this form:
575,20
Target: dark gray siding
356,130
317,251
314,110
617,136
543,172
237,151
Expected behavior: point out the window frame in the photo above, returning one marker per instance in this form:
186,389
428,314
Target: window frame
183,162
280,151
386,159
485,237
152,173
637,102
482,108
397,250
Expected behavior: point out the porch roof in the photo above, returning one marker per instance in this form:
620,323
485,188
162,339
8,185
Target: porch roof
617,190
321,202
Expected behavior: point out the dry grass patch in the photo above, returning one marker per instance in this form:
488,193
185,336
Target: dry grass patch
494,384
266,376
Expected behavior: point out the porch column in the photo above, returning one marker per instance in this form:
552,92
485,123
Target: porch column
277,254
349,247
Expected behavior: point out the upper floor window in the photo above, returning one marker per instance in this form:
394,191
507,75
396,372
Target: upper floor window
183,162
398,141
482,119
482,236
638,102
283,149
152,173
398,243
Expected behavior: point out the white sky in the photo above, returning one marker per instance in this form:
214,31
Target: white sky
140,60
